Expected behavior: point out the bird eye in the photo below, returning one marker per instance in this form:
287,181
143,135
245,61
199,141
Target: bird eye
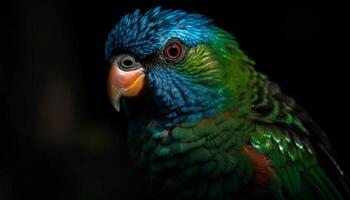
173,51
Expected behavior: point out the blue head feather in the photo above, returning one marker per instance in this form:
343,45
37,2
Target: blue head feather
180,99
144,34
177,97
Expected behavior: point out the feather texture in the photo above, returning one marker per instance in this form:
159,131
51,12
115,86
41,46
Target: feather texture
214,127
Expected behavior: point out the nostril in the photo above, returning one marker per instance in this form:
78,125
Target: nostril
127,62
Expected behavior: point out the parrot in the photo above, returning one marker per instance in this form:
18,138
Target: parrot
203,123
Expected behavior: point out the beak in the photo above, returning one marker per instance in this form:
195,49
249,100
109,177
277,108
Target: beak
124,83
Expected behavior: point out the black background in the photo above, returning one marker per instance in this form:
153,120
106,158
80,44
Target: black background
61,139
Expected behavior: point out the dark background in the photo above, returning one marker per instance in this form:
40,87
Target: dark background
61,139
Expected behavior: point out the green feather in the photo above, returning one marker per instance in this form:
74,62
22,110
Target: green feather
204,158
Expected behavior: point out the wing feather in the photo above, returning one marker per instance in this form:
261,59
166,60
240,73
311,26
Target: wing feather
295,144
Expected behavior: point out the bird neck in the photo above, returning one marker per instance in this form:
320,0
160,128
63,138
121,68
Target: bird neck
179,99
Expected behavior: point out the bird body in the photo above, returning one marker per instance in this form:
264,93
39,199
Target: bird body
204,124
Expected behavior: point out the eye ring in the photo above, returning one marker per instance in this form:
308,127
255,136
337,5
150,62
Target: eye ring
173,51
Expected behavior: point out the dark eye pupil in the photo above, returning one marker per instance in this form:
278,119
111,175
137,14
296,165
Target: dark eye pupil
127,62
173,51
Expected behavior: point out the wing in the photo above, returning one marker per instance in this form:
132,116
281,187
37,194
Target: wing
298,149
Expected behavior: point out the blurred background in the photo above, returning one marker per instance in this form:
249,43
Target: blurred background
61,138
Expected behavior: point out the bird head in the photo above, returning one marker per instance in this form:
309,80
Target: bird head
190,67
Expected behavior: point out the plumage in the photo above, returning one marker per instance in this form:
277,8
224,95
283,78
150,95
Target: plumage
206,124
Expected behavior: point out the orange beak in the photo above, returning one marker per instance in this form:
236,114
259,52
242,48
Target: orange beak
124,83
